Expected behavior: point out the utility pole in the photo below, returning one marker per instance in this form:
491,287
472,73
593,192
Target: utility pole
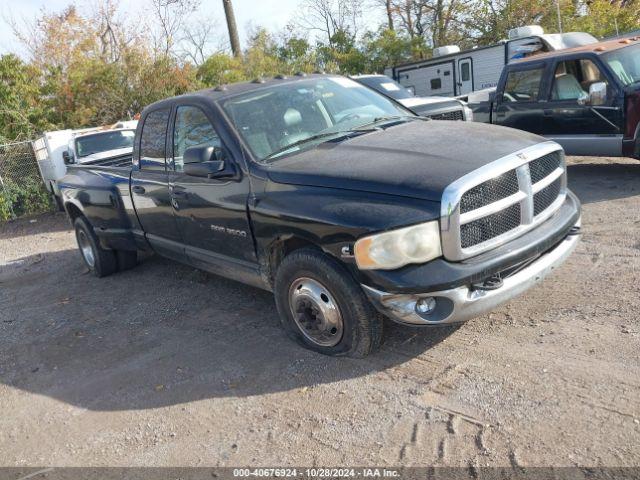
233,29
559,16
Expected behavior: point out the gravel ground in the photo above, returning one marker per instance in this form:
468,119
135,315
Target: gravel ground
165,365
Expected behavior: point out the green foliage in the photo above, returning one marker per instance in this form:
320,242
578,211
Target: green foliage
220,69
26,199
605,18
20,113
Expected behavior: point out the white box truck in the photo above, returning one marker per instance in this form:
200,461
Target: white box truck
52,148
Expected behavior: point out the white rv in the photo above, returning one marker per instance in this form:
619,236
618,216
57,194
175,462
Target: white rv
453,73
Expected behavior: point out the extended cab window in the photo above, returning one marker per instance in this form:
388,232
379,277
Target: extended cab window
523,85
193,129
573,78
153,139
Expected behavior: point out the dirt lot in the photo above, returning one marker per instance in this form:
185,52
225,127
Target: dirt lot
165,365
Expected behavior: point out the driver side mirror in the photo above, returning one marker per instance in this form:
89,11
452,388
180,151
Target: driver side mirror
597,95
202,162
67,158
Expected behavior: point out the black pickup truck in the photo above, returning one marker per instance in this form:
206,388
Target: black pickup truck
335,198
586,98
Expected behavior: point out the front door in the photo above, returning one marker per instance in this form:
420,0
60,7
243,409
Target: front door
520,104
211,213
465,76
150,187
582,128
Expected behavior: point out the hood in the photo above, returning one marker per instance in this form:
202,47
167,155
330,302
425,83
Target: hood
417,159
119,152
431,105
419,101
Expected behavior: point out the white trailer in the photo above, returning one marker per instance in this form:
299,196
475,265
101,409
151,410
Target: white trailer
453,73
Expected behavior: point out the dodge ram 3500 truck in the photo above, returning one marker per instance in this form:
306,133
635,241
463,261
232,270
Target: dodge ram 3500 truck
585,98
335,198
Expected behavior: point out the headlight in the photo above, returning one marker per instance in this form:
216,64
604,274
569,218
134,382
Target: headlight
395,249
468,114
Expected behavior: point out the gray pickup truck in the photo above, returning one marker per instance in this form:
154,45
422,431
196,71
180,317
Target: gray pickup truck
344,204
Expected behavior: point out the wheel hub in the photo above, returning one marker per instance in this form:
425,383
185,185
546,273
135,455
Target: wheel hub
86,249
315,312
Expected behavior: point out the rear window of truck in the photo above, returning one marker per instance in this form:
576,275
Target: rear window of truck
153,140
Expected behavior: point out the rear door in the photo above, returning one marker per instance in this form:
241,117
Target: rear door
211,212
150,186
522,101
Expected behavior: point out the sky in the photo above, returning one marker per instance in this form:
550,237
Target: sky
271,14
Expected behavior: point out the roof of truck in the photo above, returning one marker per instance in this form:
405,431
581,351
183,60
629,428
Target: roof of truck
596,48
231,89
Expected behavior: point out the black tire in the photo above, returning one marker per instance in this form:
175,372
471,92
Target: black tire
361,329
104,261
127,259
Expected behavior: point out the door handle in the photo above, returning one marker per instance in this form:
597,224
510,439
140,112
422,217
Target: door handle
547,112
138,189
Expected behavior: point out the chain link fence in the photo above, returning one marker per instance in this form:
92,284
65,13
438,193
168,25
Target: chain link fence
22,191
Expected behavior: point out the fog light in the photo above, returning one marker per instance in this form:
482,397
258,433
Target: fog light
425,306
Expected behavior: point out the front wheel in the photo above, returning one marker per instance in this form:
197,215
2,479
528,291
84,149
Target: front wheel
323,308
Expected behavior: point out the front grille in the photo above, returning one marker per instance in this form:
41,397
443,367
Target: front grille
545,197
490,191
453,115
522,191
544,166
491,226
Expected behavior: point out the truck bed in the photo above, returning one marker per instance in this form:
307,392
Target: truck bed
121,161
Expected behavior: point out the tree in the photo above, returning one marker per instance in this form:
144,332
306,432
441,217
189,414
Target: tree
386,48
604,17
330,17
171,16
20,110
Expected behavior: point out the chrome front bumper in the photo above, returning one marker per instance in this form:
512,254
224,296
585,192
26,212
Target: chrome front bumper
463,303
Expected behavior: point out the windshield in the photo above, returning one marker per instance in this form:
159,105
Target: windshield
103,142
386,86
293,116
625,64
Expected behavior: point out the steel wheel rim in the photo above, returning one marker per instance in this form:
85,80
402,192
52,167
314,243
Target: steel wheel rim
86,249
315,312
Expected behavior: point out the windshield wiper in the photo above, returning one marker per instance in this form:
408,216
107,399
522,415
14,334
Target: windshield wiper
391,118
339,134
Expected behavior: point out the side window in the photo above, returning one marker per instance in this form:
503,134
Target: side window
152,141
193,129
523,85
573,78
436,84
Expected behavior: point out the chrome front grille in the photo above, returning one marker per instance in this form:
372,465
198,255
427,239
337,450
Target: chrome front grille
491,226
490,191
453,115
502,200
